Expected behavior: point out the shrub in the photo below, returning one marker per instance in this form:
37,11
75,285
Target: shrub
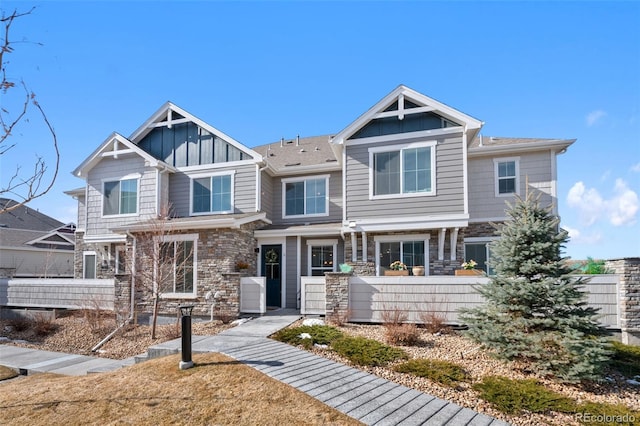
402,334
606,414
434,322
444,372
367,352
515,396
43,325
626,359
19,324
339,317
320,334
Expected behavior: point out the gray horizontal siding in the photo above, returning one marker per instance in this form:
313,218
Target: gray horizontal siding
57,293
449,198
335,202
244,188
111,169
534,168
266,195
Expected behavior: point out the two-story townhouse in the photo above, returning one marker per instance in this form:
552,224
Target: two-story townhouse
411,179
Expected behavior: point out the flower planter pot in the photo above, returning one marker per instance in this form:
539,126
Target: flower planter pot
392,273
418,271
468,272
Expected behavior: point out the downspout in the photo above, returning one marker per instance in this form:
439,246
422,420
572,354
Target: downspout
259,171
133,293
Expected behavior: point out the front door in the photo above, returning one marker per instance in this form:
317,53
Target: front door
272,271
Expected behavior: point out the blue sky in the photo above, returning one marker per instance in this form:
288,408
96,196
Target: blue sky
266,70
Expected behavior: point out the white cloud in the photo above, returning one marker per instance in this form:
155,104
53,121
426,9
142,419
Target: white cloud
619,210
636,168
595,116
577,237
624,206
588,202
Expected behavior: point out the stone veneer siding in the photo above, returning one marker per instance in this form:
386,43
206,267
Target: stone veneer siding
628,297
218,251
337,294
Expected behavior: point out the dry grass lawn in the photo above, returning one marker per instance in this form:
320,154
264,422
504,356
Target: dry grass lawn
218,390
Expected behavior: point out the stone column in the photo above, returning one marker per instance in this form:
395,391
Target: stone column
628,270
337,294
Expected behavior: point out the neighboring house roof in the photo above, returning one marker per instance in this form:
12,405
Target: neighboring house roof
111,148
485,145
25,238
25,217
300,154
170,114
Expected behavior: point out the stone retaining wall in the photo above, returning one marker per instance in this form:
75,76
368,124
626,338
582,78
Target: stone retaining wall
629,297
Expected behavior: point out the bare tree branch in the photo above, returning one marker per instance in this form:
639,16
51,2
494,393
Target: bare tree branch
36,184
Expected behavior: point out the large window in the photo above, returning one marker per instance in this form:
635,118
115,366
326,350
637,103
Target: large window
120,197
306,196
322,256
506,172
410,250
212,194
406,170
177,265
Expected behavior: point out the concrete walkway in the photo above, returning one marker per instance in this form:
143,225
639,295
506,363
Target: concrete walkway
360,395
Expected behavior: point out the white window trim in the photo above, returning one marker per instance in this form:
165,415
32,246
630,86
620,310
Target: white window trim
137,177
399,238
496,163
84,263
193,177
315,243
305,179
183,237
400,148
478,240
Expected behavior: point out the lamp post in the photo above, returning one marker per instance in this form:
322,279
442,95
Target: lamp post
185,312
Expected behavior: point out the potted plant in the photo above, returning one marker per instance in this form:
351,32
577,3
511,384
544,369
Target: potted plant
469,269
397,268
418,270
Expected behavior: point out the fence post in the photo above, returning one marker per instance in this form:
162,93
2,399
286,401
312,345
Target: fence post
628,297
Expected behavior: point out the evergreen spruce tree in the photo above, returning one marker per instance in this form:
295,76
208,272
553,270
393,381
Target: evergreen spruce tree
535,311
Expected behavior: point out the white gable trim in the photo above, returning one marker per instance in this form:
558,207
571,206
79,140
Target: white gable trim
400,93
111,147
166,111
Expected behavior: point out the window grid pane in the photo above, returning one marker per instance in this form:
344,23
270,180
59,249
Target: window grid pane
507,177
315,196
294,198
221,193
111,198
321,260
128,196
417,170
201,195
386,173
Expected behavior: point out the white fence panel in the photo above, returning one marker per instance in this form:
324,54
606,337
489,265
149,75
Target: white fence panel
253,295
57,293
312,295
370,297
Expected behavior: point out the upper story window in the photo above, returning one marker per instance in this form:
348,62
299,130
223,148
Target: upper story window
402,170
120,197
305,196
506,173
212,194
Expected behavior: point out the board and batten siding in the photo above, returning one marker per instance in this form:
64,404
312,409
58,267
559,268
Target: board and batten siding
244,189
483,202
335,201
110,170
449,198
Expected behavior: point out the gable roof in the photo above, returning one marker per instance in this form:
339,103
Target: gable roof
111,148
25,217
169,114
424,104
